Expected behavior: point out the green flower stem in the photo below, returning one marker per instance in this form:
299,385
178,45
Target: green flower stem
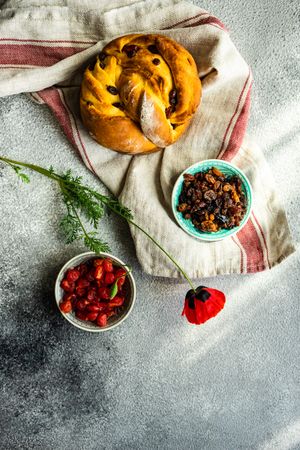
102,198
33,167
165,252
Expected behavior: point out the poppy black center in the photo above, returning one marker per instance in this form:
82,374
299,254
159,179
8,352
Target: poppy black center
201,294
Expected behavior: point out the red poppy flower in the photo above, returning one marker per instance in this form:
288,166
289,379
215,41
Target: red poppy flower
202,304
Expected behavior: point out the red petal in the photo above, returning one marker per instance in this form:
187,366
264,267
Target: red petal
202,315
218,295
205,310
189,313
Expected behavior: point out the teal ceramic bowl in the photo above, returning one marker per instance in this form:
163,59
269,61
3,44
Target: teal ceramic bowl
229,170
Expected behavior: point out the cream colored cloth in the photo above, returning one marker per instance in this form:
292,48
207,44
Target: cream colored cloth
43,51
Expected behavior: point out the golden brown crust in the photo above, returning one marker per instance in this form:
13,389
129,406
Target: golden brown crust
140,94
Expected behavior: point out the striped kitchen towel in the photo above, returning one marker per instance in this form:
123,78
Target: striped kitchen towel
43,51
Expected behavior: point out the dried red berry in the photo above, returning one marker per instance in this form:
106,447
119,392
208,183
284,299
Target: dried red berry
81,304
98,262
82,269
109,278
80,292
69,297
82,283
120,282
116,301
92,294
108,265
120,272
98,272
67,286
66,306
92,316
104,293
90,276
103,305
94,308
102,320
111,312
81,315
73,275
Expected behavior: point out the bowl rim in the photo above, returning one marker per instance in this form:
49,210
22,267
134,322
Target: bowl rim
57,288
205,237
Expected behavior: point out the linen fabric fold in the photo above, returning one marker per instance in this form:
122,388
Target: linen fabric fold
44,50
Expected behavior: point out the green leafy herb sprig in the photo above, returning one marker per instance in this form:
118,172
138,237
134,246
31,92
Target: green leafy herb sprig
83,201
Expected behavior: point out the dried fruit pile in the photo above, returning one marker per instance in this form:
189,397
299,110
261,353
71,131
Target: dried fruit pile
94,290
212,201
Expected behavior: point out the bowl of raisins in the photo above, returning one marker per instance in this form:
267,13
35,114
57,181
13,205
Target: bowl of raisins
95,292
212,200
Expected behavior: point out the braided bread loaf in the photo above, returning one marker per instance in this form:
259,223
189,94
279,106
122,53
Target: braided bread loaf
140,94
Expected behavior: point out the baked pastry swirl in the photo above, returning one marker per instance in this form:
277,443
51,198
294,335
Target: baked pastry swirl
140,94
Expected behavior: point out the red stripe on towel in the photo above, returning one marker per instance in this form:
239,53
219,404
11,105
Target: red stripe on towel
248,236
249,239
49,41
237,242
16,67
264,238
234,114
51,97
235,141
239,130
70,113
211,20
34,55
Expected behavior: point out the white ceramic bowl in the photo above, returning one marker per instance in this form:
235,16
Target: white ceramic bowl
113,321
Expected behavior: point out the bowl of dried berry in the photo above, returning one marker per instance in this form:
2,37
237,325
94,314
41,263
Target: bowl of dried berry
95,292
212,200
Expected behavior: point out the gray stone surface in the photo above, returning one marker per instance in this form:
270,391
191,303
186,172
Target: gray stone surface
154,382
